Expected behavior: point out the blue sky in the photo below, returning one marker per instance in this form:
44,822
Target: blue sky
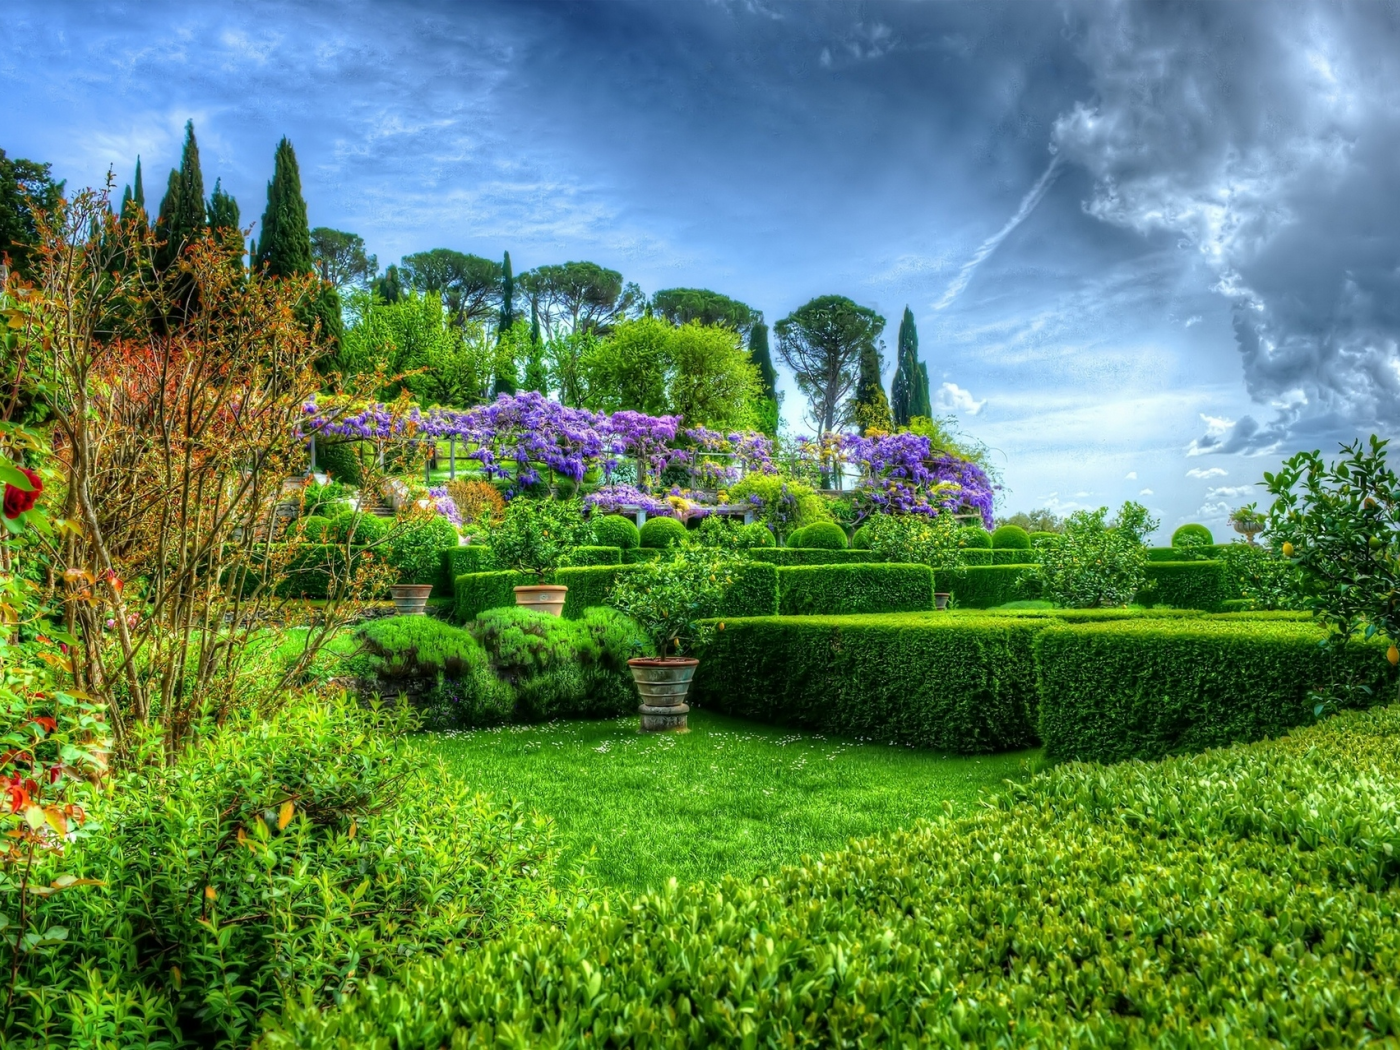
1150,248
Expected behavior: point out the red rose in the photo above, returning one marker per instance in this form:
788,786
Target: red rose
18,501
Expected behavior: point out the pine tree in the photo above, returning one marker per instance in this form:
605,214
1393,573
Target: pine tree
507,298
181,220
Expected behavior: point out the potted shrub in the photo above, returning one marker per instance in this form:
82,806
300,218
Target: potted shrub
535,536
674,601
1248,521
413,552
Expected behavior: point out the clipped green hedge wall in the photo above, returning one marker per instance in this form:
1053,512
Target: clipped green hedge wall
793,556
581,557
1148,688
1178,554
1185,585
754,593
1240,898
838,590
982,586
956,684
458,561
633,555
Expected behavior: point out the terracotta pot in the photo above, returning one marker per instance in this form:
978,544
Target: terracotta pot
411,599
940,599
545,597
663,683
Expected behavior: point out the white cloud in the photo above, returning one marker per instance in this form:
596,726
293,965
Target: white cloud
1213,472
1230,491
1146,492
1194,319
1130,476
953,398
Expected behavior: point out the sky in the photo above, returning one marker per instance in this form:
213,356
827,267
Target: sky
1151,249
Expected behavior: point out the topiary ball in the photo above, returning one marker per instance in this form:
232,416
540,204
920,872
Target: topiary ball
661,533
613,530
358,529
314,528
1193,536
975,536
824,536
794,539
756,534
860,540
1011,538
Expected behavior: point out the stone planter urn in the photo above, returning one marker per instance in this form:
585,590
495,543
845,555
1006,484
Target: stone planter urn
1248,529
411,599
940,599
544,597
663,683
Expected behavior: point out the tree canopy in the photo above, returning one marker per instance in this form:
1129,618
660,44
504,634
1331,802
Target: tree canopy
340,258
24,186
821,342
284,244
573,296
683,305
468,285
182,218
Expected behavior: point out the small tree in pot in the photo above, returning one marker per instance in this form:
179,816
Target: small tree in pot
674,601
537,536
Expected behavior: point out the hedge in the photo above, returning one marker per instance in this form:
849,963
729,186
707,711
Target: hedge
1188,554
755,592
1144,689
984,586
1242,898
823,535
1011,537
311,569
458,561
804,556
633,555
838,590
996,556
1185,584
581,557
660,533
925,679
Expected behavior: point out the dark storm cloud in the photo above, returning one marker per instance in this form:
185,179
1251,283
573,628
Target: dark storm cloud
1267,138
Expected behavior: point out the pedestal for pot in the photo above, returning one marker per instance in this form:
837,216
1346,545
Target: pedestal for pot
545,598
663,684
940,599
411,599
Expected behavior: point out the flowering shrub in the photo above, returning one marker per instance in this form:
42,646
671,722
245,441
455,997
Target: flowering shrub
445,505
23,487
1093,564
673,599
780,503
744,452
610,499
476,502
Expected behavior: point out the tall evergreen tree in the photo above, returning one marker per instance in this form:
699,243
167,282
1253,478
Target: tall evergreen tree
134,196
182,219
920,403
284,244
909,396
507,298
870,409
760,355
535,322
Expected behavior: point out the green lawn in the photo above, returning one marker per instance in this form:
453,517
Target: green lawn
730,797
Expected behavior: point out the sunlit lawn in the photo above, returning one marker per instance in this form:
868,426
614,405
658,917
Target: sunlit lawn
730,797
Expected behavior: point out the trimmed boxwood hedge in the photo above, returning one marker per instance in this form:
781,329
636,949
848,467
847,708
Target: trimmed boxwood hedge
1243,897
580,557
1189,554
791,556
1185,584
1011,537
613,530
660,533
982,586
961,684
1148,688
458,561
633,555
837,590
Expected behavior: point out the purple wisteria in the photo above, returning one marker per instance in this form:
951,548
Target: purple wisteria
745,452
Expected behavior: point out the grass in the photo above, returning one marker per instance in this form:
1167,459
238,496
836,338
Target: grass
730,797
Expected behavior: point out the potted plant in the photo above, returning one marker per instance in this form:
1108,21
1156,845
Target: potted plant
536,536
1248,521
675,601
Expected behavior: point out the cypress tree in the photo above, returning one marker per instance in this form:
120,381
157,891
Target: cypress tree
284,245
920,404
134,196
507,298
905,400
181,220
759,355
871,408
223,220
534,321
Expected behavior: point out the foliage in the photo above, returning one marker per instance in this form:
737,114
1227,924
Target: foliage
613,530
340,258
662,533
1185,584
672,599
181,220
756,534
1187,536
860,539
1011,537
1093,564
314,527
841,590
1044,520
781,504
909,395
477,502
1262,576
580,297
536,535
824,535
1148,688
1339,524
821,342
282,858
357,528
762,358
27,190
327,501
1245,892
988,586
975,537
416,545
341,460
712,382
467,286
682,306
915,539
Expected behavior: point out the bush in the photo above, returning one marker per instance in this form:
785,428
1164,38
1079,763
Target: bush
1011,537
964,684
860,539
1262,576
985,586
794,540
341,460
838,590
756,534
585,557
781,504
788,556
641,554
1184,584
314,528
352,526
311,569
536,535
444,672
1192,536
661,533
1246,891
915,539
1038,538
458,561
478,503
975,537
825,535
415,550
1144,689
285,858
613,530
328,500
1093,563
754,591
672,599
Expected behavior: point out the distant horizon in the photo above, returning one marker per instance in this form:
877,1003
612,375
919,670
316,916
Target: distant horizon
1132,279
